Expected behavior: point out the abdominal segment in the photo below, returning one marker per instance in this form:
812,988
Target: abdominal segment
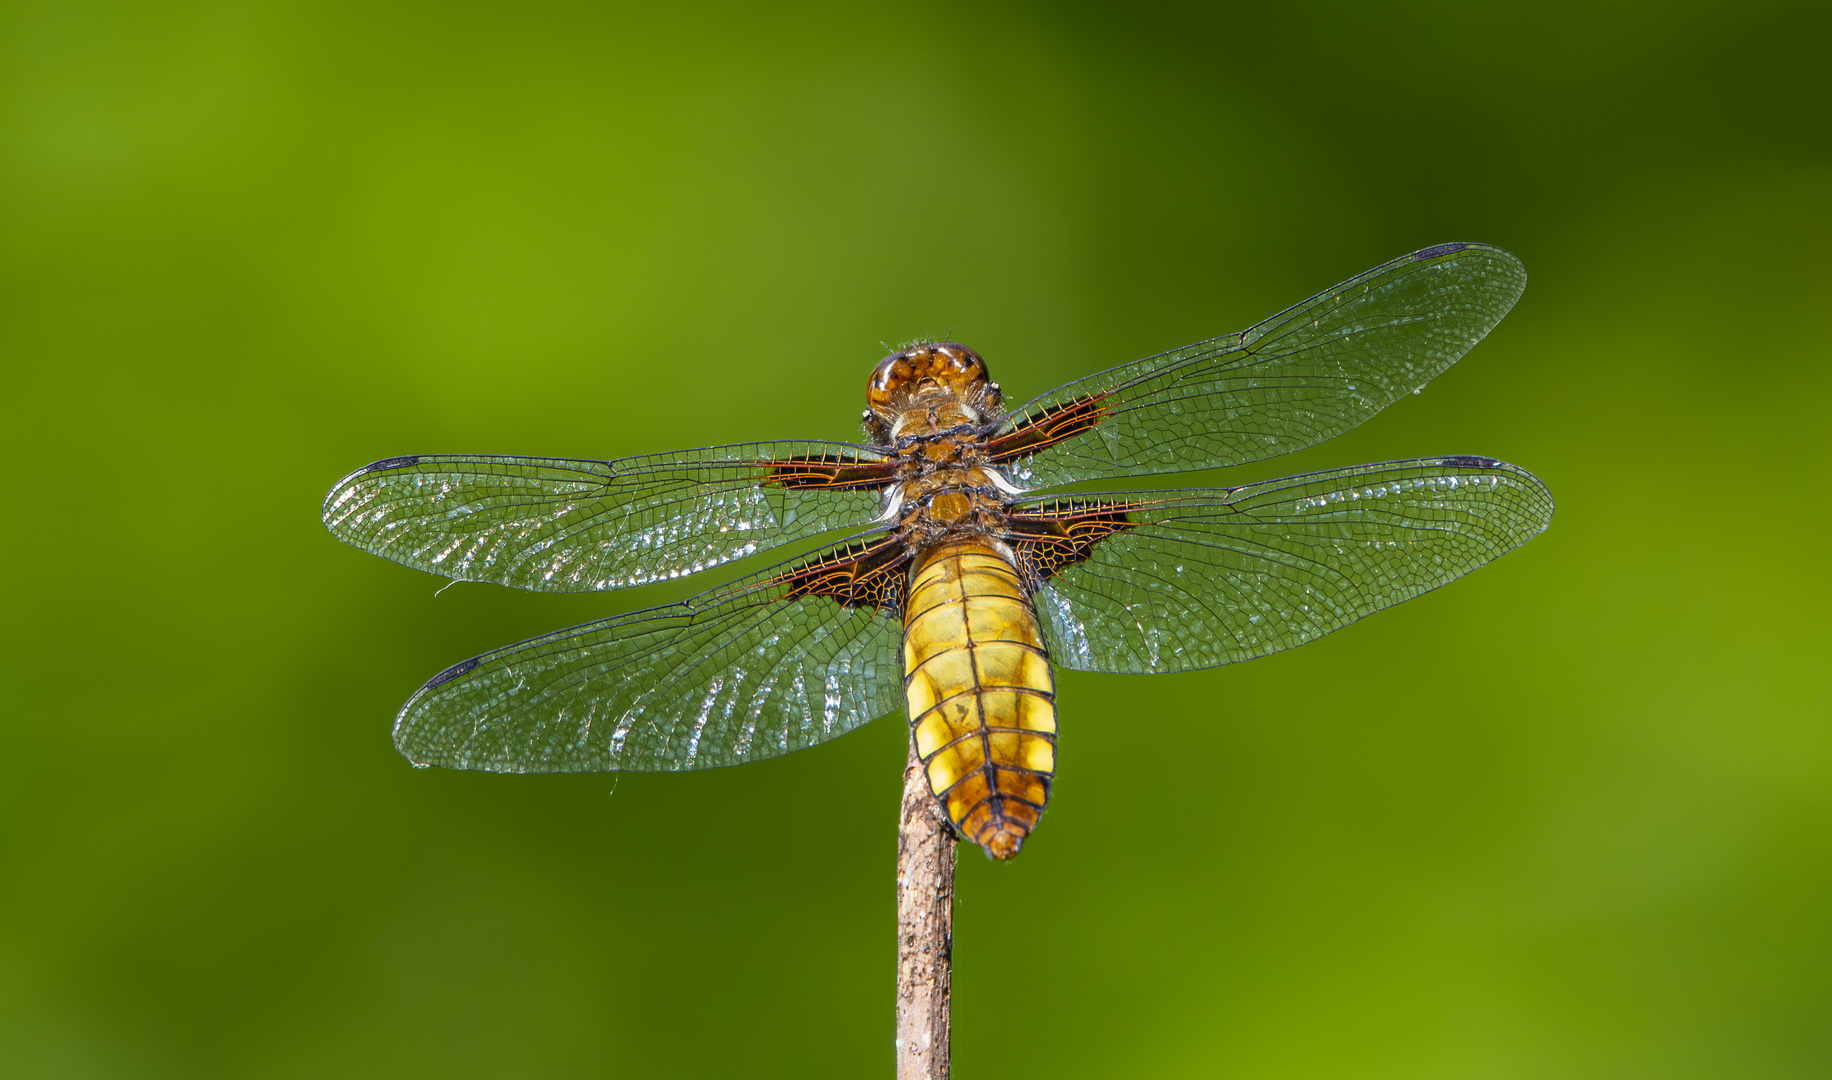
981,698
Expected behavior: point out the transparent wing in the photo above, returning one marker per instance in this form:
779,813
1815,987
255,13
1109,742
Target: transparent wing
1174,581
767,665
1302,376
555,525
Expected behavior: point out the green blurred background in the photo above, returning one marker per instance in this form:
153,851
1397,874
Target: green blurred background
1571,817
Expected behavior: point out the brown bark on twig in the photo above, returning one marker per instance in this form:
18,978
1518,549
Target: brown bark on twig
925,930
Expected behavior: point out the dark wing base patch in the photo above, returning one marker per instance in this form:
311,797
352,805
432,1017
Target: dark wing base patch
1049,427
827,471
1056,535
871,573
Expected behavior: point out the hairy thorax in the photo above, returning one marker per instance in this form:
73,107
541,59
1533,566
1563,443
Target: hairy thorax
935,409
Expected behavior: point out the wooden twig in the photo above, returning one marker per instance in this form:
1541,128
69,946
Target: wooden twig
925,930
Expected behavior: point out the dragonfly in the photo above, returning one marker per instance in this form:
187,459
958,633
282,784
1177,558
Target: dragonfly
951,570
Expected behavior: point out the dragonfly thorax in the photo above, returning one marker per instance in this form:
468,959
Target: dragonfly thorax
942,501
938,411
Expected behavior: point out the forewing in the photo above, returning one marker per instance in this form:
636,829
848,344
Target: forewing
1174,581
1302,376
770,664
556,525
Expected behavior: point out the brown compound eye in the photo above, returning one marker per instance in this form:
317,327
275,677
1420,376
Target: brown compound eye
956,365
947,363
890,376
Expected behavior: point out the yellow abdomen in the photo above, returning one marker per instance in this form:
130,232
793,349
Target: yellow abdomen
982,700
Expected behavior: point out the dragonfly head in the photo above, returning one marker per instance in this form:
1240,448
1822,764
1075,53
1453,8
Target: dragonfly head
944,364
944,380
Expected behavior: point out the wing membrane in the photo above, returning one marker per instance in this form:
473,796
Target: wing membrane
1194,579
764,666
1302,376
557,525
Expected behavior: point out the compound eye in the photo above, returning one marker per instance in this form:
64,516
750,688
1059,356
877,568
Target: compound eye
891,374
958,365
